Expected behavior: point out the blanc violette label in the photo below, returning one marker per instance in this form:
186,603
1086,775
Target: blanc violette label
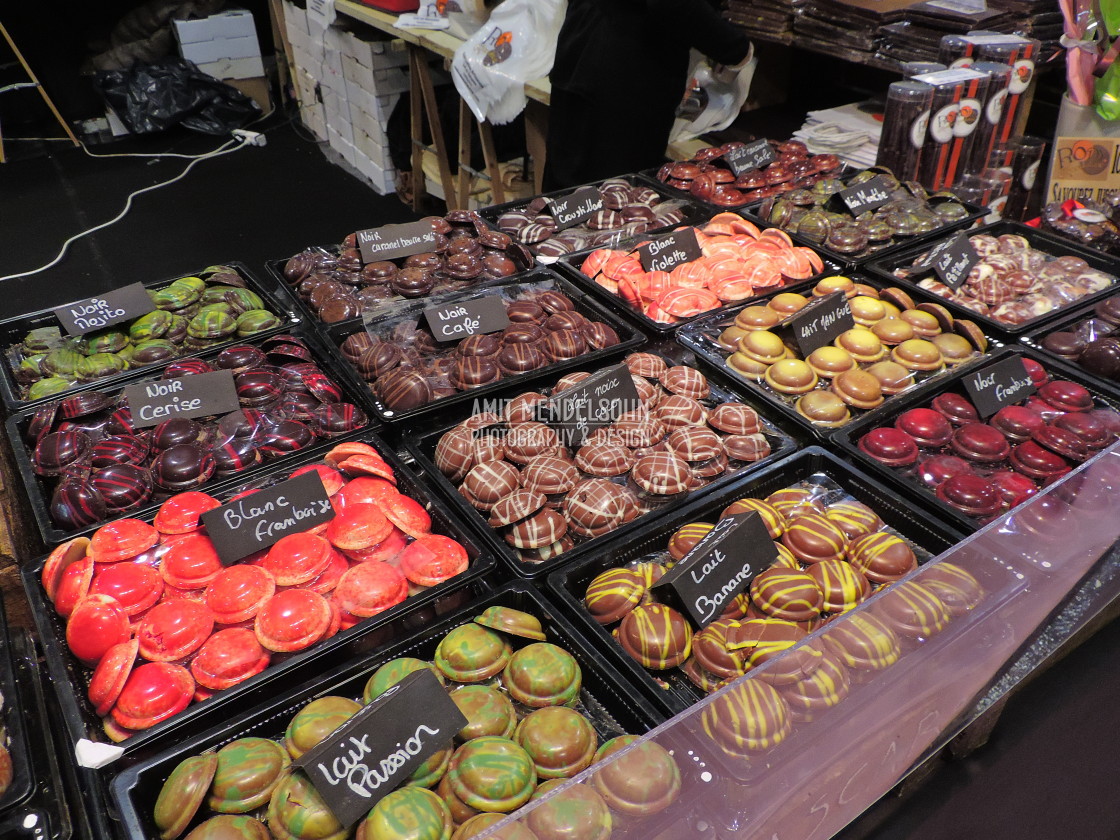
575,208
820,322
260,520
870,195
664,253
394,241
953,259
1006,382
95,313
596,402
374,752
750,156
720,566
455,321
198,395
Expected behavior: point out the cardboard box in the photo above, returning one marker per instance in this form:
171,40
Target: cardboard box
256,88
314,118
232,23
234,68
382,179
389,81
369,125
356,72
307,88
375,150
340,144
295,19
219,49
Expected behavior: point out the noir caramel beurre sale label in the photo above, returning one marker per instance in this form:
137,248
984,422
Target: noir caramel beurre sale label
1004,383
261,519
392,242
719,567
664,253
199,395
95,313
375,752
575,208
456,321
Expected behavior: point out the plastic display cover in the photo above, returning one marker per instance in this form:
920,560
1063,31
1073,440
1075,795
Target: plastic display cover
755,761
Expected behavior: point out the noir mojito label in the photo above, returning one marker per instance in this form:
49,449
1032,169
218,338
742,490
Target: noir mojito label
260,520
95,313
198,395
394,241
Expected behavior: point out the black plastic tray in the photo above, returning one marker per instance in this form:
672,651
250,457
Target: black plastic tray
649,176
39,490
629,339
71,679
694,213
882,268
675,693
135,790
1034,338
695,337
12,331
566,265
780,433
846,440
13,723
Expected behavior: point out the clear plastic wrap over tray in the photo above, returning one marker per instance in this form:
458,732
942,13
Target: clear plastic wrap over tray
824,772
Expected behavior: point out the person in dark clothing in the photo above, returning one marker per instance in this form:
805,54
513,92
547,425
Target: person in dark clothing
619,75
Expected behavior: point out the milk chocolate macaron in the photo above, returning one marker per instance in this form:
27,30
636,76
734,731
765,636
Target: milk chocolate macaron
656,636
858,389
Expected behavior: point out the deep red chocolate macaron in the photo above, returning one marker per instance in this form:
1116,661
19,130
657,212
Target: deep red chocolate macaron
970,494
955,408
892,447
1038,463
927,427
1017,422
980,443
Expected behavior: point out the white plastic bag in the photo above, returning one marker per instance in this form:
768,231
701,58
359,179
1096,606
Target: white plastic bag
517,45
714,101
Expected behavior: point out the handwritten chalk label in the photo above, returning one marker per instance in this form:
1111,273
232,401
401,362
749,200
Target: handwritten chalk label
870,195
952,260
750,157
664,253
719,567
95,313
820,322
198,395
455,321
375,752
260,520
575,208
1003,383
596,402
394,241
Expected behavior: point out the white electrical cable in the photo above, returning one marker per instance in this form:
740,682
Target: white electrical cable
224,149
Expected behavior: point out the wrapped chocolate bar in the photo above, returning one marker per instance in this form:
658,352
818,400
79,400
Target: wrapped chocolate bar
910,69
1020,54
1024,176
954,113
905,122
999,81
958,52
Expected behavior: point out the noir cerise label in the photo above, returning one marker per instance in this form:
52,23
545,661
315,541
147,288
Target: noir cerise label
575,208
198,395
1006,382
820,322
720,566
664,253
394,241
374,752
953,259
749,156
455,321
95,313
595,402
260,520
870,195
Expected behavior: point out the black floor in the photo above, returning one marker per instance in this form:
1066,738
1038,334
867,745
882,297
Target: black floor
1049,771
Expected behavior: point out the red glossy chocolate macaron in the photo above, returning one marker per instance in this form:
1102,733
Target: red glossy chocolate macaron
1038,463
229,657
173,630
432,559
1016,422
927,427
238,592
955,408
1061,441
938,468
980,443
1067,396
1014,488
970,494
889,446
292,620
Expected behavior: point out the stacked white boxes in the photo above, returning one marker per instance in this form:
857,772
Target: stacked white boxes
224,45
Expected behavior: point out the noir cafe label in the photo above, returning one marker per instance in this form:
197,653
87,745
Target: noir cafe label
374,752
1004,383
200,395
575,208
664,253
394,241
870,195
455,321
952,260
750,156
720,566
260,520
596,402
820,322
95,313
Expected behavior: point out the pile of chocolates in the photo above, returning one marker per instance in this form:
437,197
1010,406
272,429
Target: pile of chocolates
1092,343
818,215
339,287
151,610
192,314
833,553
545,496
709,177
407,367
1013,282
101,465
528,730
984,469
894,345
738,262
1086,222
628,209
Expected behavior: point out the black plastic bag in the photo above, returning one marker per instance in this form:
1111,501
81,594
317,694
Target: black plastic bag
152,97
